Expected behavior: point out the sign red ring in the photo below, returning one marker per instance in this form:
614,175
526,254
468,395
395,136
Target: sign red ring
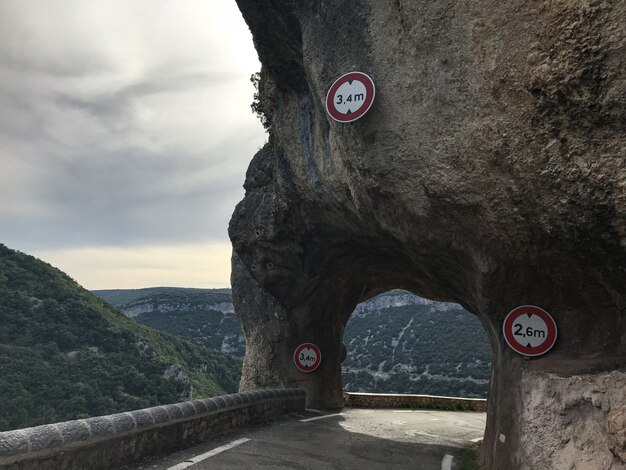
370,93
528,350
303,367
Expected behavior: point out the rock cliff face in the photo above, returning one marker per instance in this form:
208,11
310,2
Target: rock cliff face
490,171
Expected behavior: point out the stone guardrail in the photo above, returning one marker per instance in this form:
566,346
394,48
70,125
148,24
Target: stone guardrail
392,400
116,440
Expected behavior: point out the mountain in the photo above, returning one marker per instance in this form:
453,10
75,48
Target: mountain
66,354
396,342
400,343
203,316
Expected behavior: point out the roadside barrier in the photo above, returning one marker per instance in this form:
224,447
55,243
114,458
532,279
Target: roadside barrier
393,400
112,441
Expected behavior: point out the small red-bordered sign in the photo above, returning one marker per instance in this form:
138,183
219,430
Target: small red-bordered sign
529,330
350,97
307,357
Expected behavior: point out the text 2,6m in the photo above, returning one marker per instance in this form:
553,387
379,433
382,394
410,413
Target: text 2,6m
529,333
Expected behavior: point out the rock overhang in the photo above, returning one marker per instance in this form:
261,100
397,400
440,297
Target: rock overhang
490,171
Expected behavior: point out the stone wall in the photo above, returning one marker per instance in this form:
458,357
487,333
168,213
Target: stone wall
112,441
393,400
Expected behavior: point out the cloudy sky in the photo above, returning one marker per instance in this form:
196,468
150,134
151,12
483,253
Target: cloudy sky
125,133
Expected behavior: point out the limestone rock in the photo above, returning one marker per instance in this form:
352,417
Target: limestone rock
490,171
616,424
573,422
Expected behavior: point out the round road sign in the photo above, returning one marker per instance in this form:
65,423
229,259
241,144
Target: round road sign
307,357
529,330
350,97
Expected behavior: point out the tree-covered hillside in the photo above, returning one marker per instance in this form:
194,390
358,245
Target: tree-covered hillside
429,348
202,316
66,354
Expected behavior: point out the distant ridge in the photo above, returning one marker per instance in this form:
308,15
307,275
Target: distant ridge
118,297
202,316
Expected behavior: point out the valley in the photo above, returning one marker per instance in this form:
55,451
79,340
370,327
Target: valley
397,342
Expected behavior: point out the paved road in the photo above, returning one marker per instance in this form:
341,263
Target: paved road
359,439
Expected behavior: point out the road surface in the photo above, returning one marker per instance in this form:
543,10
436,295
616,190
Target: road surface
360,439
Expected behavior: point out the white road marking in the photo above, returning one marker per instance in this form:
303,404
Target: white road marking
446,463
412,411
206,455
427,434
315,418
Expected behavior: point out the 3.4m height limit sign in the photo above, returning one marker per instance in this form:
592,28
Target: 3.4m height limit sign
350,97
307,357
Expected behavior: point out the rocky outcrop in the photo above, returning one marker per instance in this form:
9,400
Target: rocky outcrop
140,307
177,373
573,422
490,172
399,299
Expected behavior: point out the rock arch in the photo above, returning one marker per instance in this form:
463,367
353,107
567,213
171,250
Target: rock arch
490,172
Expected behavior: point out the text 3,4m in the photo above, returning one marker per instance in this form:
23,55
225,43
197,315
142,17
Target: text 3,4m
349,99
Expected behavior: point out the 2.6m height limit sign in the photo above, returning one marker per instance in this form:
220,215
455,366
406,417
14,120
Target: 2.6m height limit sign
529,330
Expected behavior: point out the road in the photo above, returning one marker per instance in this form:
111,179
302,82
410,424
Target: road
359,439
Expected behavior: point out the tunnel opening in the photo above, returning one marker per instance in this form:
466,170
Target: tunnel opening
398,342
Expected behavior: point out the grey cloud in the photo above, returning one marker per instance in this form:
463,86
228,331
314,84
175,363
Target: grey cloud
91,173
53,66
141,198
116,102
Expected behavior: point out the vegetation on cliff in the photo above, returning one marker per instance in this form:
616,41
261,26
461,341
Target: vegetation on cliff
203,316
65,354
434,349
